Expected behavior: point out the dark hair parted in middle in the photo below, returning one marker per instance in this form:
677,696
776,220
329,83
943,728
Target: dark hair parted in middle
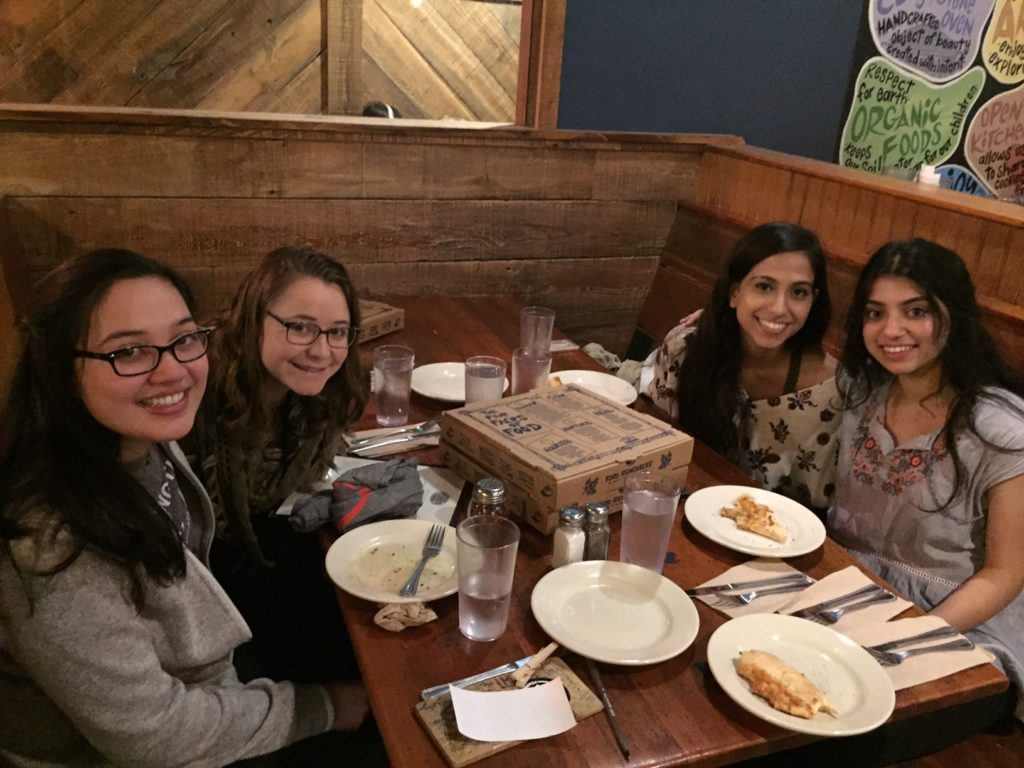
708,388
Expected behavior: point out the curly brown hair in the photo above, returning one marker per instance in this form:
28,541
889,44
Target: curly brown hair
238,375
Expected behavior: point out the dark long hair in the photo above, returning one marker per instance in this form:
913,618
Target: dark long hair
61,468
970,359
709,378
238,376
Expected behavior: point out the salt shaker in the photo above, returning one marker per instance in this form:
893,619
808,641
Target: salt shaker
488,498
569,539
597,531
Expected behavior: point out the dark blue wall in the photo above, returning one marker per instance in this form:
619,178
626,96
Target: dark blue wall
776,72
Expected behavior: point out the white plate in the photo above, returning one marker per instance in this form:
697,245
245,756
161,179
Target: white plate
704,511
603,384
615,612
442,381
374,561
854,682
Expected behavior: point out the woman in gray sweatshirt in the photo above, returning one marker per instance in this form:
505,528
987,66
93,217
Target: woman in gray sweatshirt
115,640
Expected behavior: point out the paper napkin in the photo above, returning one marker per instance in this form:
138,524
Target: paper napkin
840,583
917,669
523,713
761,568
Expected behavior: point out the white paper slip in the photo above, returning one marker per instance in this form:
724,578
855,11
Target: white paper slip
527,713
844,582
563,345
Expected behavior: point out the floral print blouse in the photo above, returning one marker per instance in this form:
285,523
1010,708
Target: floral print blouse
788,444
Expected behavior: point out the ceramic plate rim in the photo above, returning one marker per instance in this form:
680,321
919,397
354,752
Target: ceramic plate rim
736,634
346,549
703,515
582,374
685,620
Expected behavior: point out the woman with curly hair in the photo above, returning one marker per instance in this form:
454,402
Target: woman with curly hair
285,382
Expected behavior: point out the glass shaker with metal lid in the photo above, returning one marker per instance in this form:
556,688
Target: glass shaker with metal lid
597,531
488,498
569,540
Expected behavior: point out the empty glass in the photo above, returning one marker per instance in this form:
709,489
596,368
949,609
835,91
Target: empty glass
535,326
530,370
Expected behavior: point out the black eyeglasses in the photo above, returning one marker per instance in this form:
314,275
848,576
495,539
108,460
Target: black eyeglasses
143,358
305,334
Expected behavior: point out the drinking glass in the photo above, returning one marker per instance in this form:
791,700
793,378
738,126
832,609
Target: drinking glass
535,326
487,546
392,381
649,504
485,378
530,370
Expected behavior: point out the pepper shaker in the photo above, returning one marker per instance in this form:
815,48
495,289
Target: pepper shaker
597,531
488,498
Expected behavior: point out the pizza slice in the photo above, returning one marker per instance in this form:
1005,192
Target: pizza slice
786,689
756,518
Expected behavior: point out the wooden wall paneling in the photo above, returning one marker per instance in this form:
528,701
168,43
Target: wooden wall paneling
881,224
647,175
795,197
44,70
26,24
542,80
407,67
845,213
812,215
904,219
273,67
195,73
861,224
343,58
1013,273
442,54
992,256
304,94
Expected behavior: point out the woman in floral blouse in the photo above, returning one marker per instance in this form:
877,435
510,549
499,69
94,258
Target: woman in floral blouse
931,463
751,379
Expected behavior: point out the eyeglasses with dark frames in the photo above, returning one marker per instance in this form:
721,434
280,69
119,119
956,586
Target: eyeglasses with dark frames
305,334
140,359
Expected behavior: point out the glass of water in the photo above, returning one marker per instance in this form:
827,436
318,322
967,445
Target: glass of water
487,546
485,378
392,382
649,504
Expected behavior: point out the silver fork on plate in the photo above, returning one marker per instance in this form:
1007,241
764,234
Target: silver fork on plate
835,614
892,658
746,598
431,548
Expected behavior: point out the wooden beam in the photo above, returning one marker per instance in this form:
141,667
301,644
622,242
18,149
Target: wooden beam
540,63
343,56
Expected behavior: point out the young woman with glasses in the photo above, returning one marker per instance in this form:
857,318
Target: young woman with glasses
285,382
115,639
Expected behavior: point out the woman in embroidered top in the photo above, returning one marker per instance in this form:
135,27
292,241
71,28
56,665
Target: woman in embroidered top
285,383
115,640
751,379
931,464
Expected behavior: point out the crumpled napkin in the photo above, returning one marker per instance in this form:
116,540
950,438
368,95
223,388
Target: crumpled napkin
917,669
431,438
761,568
843,582
378,491
395,617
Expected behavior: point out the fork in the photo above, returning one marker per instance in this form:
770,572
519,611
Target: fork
746,598
892,658
834,615
431,548
416,429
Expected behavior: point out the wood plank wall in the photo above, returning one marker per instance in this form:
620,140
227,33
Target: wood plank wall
853,213
571,221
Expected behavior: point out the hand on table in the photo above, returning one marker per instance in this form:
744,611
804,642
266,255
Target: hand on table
351,705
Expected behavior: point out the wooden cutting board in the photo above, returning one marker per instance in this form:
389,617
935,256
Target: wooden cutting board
438,715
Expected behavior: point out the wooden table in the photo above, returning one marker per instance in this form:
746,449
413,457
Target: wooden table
674,712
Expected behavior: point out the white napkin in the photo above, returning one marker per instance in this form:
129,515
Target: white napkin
917,669
432,438
761,568
840,583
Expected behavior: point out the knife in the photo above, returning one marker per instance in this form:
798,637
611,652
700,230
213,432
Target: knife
408,437
440,690
714,589
835,602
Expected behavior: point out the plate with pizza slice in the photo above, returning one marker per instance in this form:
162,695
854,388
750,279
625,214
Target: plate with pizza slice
754,521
